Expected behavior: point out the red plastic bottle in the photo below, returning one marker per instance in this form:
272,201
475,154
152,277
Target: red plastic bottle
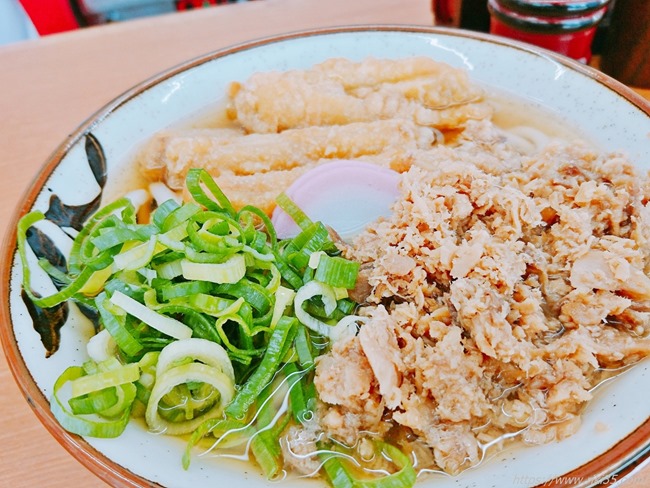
466,14
564,26
447,12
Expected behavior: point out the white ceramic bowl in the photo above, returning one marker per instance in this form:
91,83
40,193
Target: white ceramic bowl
602,109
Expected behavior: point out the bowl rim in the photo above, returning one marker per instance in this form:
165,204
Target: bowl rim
621,460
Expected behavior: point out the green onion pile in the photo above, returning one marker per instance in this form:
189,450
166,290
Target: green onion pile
204,316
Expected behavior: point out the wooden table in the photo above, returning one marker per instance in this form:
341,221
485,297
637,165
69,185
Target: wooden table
50,85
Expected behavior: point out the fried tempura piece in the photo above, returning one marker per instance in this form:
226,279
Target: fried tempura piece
435,85
166,146
170,155
340,91
372,71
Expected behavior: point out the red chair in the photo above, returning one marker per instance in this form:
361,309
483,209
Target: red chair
190,4
51,16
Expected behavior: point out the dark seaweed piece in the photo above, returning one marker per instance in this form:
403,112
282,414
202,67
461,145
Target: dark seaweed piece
74,216
71,215
96,159
47,322
44,248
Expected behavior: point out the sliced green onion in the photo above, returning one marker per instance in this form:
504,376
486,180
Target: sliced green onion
244,353
62,295
276,277
207,352
215,306
293,211
314,258
303,347
122,234
283,298
312,239
162,323
99,381
173,239
203,239
255,295
220,428
94,402
346,326
137,256
336,472
268,225
55,273
195,177
184,289
163,211
179,215
96,282
230,271
170,269
337,272
81,425
147,378
75,261
340,477
202,326
183,374
125,397
307,292
283,334
302,393
267,452
287,272
267,257
116,328
101,346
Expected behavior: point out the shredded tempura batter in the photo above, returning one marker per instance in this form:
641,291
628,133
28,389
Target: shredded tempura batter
498,294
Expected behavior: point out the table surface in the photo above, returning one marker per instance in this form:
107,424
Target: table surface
50,85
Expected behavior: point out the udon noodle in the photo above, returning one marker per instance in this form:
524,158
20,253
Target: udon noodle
509,281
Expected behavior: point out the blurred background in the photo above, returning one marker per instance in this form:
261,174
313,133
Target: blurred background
613,35
26,19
